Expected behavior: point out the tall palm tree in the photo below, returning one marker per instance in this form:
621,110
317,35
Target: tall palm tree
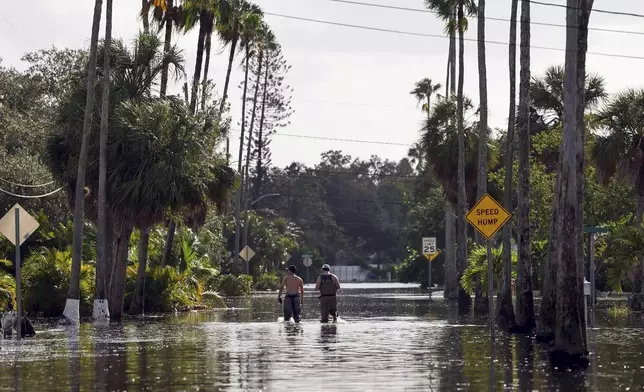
525,301
483,109
423,92
244,22
622,122
505,308
71,312
570,332
101,309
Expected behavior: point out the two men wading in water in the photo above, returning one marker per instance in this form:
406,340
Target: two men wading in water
327,284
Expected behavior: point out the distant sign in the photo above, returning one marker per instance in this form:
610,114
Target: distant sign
28,224
431,257
488,216
429,245
247,253
306,260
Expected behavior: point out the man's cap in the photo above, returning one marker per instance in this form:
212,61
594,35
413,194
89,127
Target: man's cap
292,268
326,267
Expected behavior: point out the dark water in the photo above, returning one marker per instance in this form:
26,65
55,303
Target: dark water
389,340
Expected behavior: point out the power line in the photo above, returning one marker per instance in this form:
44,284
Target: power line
340,139
27,186
31,197
385,6
601,11
383,30
17,30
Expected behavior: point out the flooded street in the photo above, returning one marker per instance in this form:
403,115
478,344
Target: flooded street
389,340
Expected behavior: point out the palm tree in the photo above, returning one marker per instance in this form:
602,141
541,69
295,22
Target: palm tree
622,121
71,312
133,72
101,309
505,308
525,302
570,332
243,23
423,92
546,94
481,185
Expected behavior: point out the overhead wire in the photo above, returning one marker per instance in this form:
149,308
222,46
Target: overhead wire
31,196
439,36
27,186
597,10
534,23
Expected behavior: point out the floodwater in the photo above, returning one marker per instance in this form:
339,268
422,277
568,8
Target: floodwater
390,338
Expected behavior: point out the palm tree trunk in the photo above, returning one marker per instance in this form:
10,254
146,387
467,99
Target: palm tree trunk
461,257
119,270
169,241
138,305
639,269
258,182
570,346
505,309
231,58
145,15
452,57
481,297
109,253
525,302
166,48
71,312
101,310
204,85
243,124
203,32
451,283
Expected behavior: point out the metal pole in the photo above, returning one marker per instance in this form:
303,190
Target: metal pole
490,287
429,276
18,274
307,274
592,270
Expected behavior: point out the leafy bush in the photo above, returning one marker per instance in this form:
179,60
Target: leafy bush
234,286
46,282
7,287
476,272
267,282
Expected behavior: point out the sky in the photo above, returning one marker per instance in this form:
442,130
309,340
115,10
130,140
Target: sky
352,83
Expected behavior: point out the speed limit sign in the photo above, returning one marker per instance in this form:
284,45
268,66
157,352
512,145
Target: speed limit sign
429,245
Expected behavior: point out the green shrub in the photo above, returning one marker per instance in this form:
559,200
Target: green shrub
45,277
7,287
267,281
234,286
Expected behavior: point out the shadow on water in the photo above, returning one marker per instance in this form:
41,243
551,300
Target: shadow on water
389,340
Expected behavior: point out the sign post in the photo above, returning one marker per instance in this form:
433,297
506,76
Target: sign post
307,261
429,249
17,225
488,216
592,231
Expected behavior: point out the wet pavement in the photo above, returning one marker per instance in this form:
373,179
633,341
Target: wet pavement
389,339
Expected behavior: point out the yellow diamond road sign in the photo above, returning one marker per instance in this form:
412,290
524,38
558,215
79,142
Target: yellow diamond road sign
28,224
488,216
247,253
431,257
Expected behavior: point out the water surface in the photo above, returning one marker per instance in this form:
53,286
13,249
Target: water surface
391,339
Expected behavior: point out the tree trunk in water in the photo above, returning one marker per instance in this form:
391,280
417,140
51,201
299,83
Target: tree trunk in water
464,299
101,310
206,67
71,312
481,298
203,32
258,184
167,43
231,58
451,283
570,347
138,298
638,277
505,309
109,253
525,301
169,241
119,271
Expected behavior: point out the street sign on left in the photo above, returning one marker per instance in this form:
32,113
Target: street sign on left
28,224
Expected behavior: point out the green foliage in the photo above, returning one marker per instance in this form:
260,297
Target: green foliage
267,282
45,277
234,286
475,274
7,286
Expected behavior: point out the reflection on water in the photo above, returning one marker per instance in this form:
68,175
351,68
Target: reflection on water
392,340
